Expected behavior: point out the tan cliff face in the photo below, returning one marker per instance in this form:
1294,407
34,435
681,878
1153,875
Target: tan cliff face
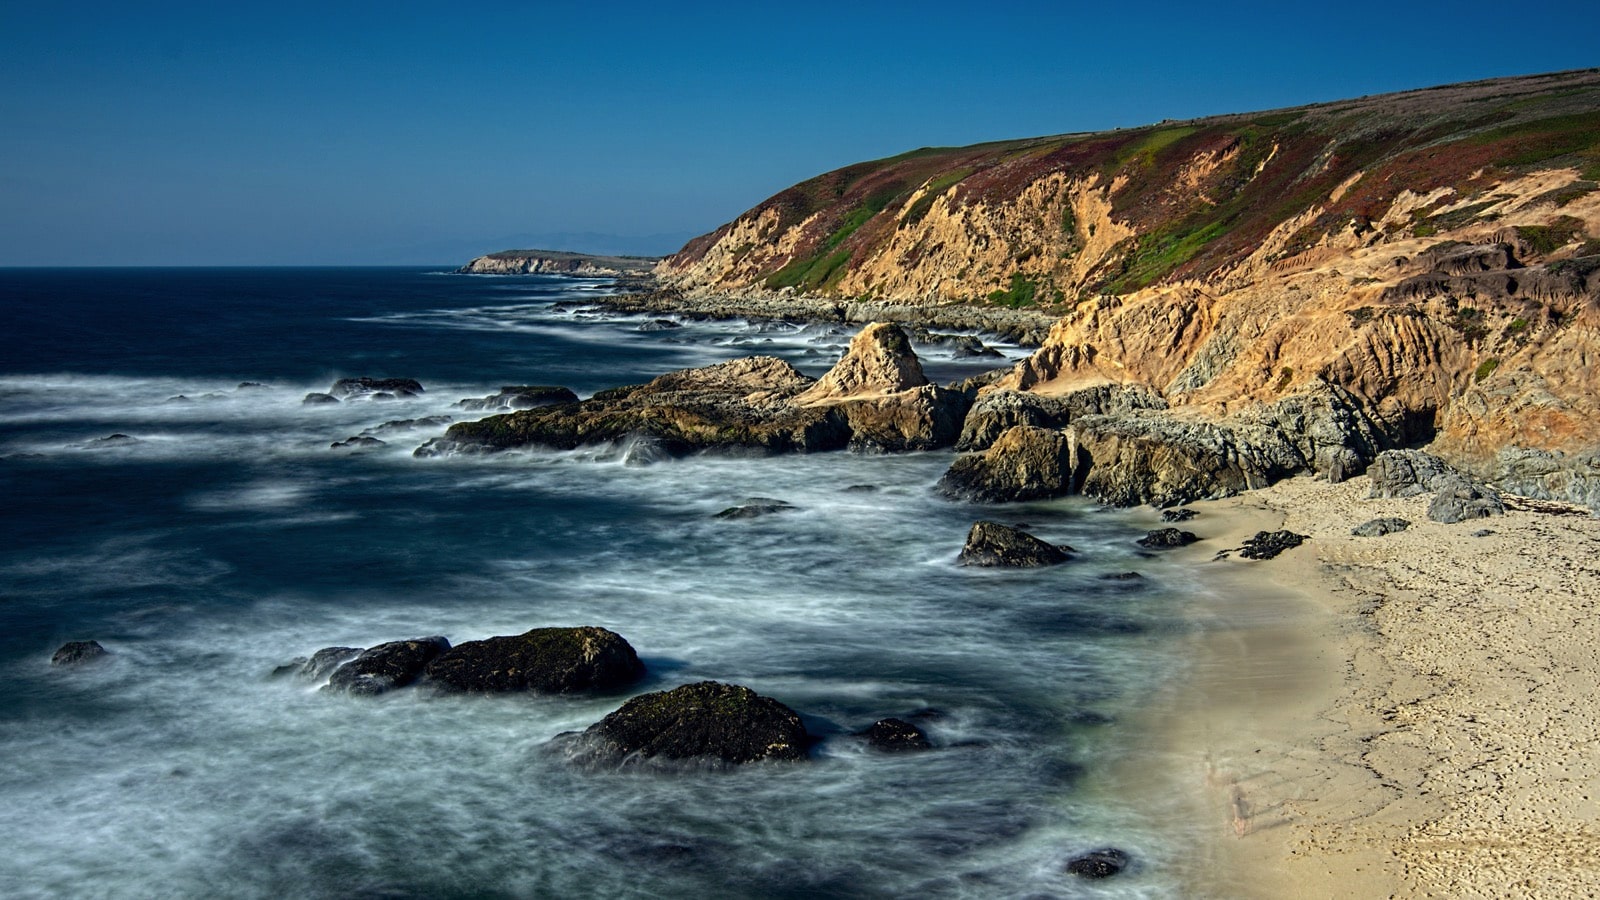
1435,253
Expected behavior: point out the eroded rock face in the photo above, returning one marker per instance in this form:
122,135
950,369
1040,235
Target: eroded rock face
708,722
875,399
1024,463
990,544
386,666
543,660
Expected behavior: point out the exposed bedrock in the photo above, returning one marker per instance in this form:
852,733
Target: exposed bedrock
1025,463
543,660
876,399
1147,455
994,412
708,723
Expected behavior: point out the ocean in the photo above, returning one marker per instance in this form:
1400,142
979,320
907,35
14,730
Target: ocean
222,536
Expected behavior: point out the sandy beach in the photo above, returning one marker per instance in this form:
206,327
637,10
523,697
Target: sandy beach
1411,715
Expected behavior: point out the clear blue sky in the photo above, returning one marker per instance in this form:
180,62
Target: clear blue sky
282,133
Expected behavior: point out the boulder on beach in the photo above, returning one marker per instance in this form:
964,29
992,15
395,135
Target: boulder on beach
990,544
1183,514
386,666
1458,498
1405,473
1268,544
543,660
895,736
705,723
1381,526
77,653
1167,539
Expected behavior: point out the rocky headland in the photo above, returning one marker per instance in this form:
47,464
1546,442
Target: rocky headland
558,262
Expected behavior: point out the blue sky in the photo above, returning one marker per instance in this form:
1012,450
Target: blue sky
240,134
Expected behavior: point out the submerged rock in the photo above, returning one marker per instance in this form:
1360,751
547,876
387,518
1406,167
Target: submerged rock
1024,463
708,722
1380,527
1167,539
1102,863
991,544
1459,498
387,666
1268,544
543,660
77,653
895,736
755,507
358,442
315,399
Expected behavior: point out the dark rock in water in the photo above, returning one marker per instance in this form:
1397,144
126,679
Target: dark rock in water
314,398
895,736
113,440
387,666
708,722
1380,527
321,664
250,386
660,325
346,388
77,653
1121,576
543,660
1102,863
1268,544
1405,473
1459,499
993,544
1178,515
524,396
755,507
358,442
408,424
862,489
1024,463
1167,539
645,451
180,398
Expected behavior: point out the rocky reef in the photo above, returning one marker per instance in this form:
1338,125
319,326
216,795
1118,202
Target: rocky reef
706,724
875,399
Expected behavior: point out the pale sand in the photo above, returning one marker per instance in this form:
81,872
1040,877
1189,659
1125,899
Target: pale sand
1413,715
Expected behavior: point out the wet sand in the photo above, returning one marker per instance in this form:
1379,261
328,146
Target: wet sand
1412,715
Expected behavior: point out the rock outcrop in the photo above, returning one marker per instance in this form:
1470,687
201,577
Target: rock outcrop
512,397
558,262
990,544
1025,463
1458,498
875,398
996,411
374,388
543,660
708,723
895,736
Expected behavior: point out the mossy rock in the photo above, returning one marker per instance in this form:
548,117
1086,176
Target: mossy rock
544,660
707,722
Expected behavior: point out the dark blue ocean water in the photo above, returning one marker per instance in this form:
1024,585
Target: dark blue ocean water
224,537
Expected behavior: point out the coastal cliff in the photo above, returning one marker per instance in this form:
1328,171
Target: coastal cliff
558,262
1435,254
